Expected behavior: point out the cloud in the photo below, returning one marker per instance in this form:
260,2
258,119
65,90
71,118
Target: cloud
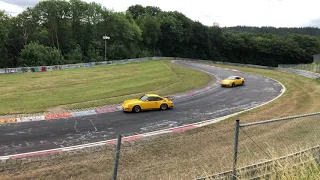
10,8
22,3
314,23
278,13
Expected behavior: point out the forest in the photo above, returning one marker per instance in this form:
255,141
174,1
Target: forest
63,32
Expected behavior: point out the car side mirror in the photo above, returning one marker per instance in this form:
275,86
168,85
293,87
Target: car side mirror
147,100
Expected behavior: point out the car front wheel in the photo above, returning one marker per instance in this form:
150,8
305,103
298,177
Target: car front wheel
136,109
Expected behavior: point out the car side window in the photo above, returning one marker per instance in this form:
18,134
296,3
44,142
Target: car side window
159,99
152,99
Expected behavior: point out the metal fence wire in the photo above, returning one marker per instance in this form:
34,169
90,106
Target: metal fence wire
272,139
261,149
307,67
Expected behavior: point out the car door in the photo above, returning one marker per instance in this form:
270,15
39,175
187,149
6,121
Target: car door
238,81
155,102
158,102
151,103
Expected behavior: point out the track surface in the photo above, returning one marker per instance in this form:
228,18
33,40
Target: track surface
216,102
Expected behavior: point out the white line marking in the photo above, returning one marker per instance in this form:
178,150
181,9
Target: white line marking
75,126
93,125
198,124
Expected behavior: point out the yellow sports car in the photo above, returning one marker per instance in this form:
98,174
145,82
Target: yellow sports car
147,102
232,81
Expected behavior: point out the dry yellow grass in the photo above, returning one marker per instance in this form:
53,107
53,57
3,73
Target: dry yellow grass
189,154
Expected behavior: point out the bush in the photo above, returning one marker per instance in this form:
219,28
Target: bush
35,54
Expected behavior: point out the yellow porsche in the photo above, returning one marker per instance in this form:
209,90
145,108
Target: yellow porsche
232,81
147,102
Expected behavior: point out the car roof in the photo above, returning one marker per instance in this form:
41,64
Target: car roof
153,95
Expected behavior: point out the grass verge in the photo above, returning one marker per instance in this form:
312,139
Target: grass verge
91,87
189,154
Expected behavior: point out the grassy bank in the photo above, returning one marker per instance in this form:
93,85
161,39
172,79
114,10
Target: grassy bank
193,153
91,87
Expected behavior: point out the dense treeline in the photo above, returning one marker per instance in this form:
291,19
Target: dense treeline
60,31
313,31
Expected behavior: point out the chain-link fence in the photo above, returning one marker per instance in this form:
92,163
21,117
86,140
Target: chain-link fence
308,67
263,149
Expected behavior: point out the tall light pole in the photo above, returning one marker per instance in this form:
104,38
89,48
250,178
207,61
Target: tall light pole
105,37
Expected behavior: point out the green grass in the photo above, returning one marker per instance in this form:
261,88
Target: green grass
198,152
96,86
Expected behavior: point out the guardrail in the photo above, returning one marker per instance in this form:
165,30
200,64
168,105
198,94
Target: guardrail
300,72
91,64
226,63
74,66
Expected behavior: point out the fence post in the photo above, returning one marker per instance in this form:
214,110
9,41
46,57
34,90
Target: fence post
236,138
116,159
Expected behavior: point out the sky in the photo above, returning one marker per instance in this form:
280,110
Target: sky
277,13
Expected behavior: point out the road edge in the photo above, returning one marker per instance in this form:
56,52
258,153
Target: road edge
22,118
143,135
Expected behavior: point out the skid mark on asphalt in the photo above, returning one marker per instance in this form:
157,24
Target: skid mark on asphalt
157,125
82,138
210,104
93,125
75,126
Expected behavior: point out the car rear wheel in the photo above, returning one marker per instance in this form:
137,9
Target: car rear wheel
163,106
136,109
233,84
242,83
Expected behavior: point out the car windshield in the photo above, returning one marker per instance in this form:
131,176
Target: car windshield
144,98
231,77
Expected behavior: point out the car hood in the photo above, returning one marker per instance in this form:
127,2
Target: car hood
131,101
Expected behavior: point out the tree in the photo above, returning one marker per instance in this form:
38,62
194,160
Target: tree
74,30
150,28
94,54
4,32
76,55
35,54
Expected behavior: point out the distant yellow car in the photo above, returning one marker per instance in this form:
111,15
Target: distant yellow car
232,81
147,102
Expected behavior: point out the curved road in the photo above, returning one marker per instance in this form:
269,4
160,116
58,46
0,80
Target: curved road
216,102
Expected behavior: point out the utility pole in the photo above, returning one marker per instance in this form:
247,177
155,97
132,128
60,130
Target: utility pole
105,37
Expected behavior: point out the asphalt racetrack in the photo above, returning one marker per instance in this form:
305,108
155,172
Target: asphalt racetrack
216,102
